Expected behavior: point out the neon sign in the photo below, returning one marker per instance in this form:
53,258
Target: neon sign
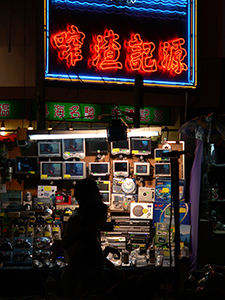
94,46
173,9
172,55
106,51
140,55
69,43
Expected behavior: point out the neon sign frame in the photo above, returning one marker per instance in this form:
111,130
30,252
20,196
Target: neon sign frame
189,65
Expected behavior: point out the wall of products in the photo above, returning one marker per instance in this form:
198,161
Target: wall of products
134,179
74,159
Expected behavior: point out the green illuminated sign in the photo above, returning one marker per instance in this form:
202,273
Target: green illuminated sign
148,115
85,112
12,110
72,111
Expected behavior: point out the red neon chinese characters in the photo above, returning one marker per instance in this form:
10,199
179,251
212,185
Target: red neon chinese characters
140,55
172,55
4,110
68,44
106,51
59,111
74,111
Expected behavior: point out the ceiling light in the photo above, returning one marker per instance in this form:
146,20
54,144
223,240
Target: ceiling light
30,127
3,126
71,126
50,126
89,133
144,132
67,134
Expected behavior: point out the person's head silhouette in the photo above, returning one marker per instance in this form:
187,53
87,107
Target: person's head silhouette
86,191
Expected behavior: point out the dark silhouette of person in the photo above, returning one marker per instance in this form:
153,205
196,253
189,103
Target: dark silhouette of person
85,274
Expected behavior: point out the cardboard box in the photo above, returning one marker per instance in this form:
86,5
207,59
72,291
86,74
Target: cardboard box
162,212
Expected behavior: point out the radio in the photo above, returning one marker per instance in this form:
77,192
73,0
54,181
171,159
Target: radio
141,210
146,194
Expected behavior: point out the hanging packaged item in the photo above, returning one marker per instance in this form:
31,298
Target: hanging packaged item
63,198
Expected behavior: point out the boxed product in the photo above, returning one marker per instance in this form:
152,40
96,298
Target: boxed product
163,189
162,212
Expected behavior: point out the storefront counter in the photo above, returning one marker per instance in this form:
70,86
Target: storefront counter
25,281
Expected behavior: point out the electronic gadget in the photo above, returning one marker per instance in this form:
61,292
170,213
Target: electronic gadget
162,169
73,148
117,202
159,155
49,149
99,168
97,146
117,184
112,240
167,213
105,197
104,189
63,198
6,250
120,147
141,210
74,170
146,194
46,191
141,146
138,240
39,203
162,233
117,131
23,250
121,168
50,170
129,186
141,168
122,202
128,199
26,165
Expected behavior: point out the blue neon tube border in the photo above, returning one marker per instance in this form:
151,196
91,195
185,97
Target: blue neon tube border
99,79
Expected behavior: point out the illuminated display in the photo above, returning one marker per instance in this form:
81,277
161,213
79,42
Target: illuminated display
173,8
106,51
173,54
89,113
12,110
68,44
112,41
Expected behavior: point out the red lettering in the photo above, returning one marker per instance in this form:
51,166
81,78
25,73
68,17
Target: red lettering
69,43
